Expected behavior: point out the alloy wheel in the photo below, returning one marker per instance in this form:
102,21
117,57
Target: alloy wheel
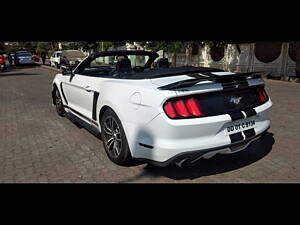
113,141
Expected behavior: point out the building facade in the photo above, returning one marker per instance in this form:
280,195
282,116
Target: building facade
278,58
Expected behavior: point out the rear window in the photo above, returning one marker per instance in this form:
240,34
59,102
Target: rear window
24,54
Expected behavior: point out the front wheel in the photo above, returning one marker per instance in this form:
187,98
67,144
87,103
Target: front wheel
114,139
59,104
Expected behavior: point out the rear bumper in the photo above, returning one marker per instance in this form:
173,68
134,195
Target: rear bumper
25,62
164,140
188,158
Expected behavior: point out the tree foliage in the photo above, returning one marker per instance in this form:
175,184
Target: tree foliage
43,47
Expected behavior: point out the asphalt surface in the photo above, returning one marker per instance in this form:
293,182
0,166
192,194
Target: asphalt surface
36,145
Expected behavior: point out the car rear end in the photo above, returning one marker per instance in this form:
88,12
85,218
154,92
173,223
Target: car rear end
24,58
206,119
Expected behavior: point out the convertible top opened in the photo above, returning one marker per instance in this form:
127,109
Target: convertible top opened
145,110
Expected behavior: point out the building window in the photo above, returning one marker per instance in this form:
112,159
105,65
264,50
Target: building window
217,52
267,51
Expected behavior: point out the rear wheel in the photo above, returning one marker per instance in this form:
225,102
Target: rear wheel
114,139
59,104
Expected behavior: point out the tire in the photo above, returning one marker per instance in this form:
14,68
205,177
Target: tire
114,139
59,104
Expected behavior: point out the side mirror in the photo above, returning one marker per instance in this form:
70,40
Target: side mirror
67,71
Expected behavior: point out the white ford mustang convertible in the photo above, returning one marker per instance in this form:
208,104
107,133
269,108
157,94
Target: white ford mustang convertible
145,110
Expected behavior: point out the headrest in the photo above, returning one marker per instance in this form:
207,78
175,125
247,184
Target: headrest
162,63
123,65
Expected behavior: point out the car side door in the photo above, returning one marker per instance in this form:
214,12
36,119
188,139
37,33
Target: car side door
79,95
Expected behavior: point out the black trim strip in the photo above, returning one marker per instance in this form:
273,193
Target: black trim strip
250,112
234,85
146,146
236,116
95,99
236,137
63,94
83,116
249,133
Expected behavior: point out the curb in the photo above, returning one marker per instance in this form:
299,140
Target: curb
50,68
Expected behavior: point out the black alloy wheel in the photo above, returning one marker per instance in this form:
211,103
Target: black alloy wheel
114,139
59,104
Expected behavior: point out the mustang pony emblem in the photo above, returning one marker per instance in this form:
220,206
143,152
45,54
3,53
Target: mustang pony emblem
235,100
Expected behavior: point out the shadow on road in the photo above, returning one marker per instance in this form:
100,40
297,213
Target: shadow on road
10,71
216,165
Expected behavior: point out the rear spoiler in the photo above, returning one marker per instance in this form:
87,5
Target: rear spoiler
237,80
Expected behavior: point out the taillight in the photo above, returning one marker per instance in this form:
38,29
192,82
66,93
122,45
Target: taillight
182,108
193,107
262,94
169,109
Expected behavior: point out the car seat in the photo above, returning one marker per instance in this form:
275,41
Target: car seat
162,63
123,65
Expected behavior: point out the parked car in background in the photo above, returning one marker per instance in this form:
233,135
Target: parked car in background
36,57
23,57
71,58
2,63
55,59
13,56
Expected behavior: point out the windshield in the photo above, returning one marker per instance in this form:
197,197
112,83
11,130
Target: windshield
115,65
138,64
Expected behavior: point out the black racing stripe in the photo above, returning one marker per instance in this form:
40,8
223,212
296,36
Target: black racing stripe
250,112
236,116
249,133
236,137
63,94
95,99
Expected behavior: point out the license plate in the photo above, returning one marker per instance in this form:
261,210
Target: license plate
239,126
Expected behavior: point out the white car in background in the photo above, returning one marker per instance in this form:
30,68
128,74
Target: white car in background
55,59
162,115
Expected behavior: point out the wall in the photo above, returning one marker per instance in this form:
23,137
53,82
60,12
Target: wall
281,67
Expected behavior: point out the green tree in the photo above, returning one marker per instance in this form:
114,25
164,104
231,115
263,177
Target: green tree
43,47
105,45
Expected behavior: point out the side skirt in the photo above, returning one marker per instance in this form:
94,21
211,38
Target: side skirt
91,128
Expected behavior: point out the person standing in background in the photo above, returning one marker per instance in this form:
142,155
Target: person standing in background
43,56
9,59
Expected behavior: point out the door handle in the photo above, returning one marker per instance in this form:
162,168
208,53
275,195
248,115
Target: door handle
88,88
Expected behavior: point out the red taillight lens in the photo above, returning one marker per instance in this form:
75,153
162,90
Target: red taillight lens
193,107
262,94
169,109
182,108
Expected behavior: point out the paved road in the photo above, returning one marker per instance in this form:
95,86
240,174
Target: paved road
36,145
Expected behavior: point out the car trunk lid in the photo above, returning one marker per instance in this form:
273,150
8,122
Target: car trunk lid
219,94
